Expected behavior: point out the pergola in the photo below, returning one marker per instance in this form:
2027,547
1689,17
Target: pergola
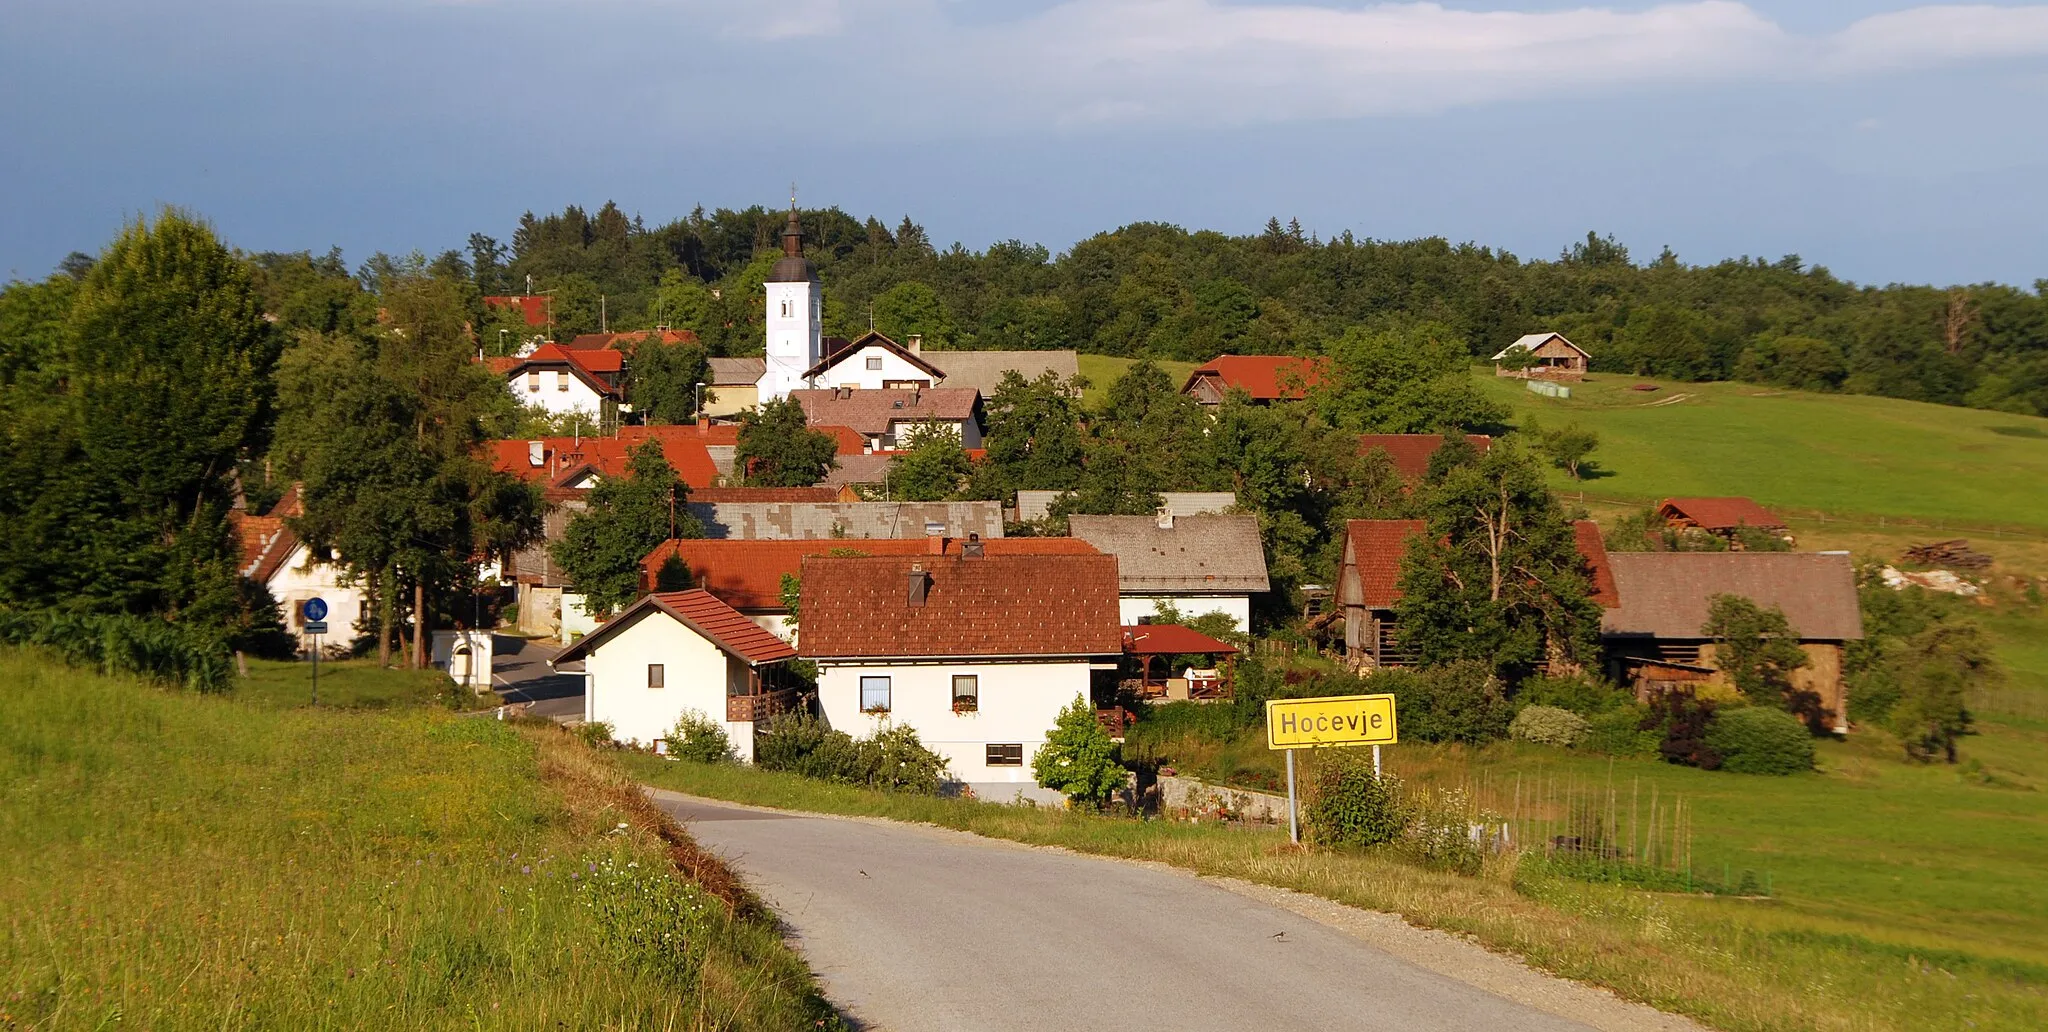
1153,646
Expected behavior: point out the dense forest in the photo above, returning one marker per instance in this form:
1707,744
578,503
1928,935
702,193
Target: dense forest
1164,292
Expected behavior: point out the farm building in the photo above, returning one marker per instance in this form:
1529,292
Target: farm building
1721,517
1197,564
1555,358
673,653
1264,378
979,655
1411,452
1654,641
1369,584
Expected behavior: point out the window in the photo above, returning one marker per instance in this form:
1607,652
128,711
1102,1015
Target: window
533,380
874,695
656,675
875,362
561,381
1010,754
785,309
966,693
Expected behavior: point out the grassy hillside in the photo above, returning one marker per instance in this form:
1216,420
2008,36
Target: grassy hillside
1102,370
1837,453
176,861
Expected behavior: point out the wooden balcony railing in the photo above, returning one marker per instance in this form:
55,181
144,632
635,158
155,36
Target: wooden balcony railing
760,707
1116,720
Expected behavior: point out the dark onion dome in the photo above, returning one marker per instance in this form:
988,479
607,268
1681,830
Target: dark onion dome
793,267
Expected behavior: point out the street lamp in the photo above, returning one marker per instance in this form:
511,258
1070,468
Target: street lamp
699,410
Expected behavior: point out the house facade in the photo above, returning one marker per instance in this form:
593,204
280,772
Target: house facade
978,654
562,381
873,362
1553,358
273,556
734,387
1654,641
1197,564
670,654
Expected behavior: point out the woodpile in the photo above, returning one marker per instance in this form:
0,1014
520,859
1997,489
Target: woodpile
1954,554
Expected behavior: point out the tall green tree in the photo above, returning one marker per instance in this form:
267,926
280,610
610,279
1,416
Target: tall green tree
932,468
778,448
1413,379
1032,440
662,379
602,548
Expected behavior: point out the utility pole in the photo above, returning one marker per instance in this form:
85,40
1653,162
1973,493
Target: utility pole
604,322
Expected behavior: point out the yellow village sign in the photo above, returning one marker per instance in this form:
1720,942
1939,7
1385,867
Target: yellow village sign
1330,721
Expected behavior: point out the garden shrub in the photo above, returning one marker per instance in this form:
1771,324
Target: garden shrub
1583,695
1549,725
1620,732
594,732
894,760
1456,702
1079,759
1349,805
1683,720
698,737
1760,740
1439,832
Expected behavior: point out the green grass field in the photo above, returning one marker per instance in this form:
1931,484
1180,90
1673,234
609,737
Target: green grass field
1837,453
352,684
177,861
1102,370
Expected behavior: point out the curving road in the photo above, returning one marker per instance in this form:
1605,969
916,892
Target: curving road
912,928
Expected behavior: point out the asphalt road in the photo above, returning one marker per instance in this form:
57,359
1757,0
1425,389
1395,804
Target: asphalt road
521,675
912,928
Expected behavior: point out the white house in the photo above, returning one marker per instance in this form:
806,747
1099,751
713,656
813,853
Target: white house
674,652
795,317
561,380
978,653
273,556
1198,564
874,362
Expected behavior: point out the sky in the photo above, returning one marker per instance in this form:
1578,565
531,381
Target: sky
1888,140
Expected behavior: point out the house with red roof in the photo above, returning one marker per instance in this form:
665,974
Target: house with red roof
1411,452
680,652
977,652
1265,378
272,555
562,380
1720,517
1369,584
535,309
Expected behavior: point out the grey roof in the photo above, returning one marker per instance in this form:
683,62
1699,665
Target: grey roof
737,372
1034,505
795,521
1193,555
1666,594
868,468
875,411
1528,341
984,369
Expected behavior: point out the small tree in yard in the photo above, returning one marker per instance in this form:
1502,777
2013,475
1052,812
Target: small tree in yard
777,448
1078,759
1568,447
1758,649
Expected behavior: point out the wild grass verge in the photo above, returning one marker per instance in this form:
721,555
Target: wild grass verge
185,861
1733,963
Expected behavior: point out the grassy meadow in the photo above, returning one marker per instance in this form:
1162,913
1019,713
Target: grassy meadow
1103,370
1837,453
181,861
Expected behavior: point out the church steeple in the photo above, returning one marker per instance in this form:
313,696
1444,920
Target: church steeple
793,267
796,312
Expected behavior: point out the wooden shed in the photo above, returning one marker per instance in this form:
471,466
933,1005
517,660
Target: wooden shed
1556,358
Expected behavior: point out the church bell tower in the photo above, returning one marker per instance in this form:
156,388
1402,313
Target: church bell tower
796,310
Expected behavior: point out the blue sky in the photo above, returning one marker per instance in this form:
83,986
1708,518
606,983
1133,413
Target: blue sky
1887,140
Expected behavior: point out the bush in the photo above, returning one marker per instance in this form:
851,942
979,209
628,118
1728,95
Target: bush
1349,805
1078,759
698,737
894,760
594,732
1549,725
1585,696
1620,732
1760,740
1457,702
1439,833
143,646
1682,720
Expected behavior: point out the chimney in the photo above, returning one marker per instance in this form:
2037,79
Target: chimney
703,423
1165,517
536,453
934,537
972,547
917,584
914,343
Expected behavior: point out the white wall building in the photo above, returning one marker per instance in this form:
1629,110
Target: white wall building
796,315
561,381
672,653
978,654
273,556
874,362
1197,564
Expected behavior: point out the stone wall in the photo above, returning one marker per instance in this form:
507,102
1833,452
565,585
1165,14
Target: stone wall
1184,797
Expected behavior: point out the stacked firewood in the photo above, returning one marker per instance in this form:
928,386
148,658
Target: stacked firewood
1954,554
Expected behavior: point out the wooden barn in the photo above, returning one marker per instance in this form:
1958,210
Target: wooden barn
1556,358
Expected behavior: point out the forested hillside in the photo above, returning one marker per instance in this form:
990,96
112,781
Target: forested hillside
1164,292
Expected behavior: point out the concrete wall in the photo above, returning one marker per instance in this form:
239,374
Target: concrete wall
697,675
730,401
1019,702
299,579
577,620
1182,797
470,664
561,392
1238,607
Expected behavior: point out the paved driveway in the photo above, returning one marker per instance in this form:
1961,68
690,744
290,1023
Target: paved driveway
520,673
912,928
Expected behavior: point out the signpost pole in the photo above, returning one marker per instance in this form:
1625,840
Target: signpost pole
316,670
1375,761
1293,823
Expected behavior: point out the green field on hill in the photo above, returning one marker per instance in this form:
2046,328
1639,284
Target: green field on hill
1101,370
1838,453
178,861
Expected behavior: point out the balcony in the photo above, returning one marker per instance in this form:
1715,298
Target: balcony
761,706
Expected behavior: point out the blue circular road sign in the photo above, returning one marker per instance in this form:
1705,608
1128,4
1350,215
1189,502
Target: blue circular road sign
313,609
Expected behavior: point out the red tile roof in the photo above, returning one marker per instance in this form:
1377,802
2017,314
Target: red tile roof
711,619
1171,640
874,411
533,307
769,494
1411,452
597,341
1373,578
748,573
265,542
1264,377
1017,605
1719,513
561,456
591,360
